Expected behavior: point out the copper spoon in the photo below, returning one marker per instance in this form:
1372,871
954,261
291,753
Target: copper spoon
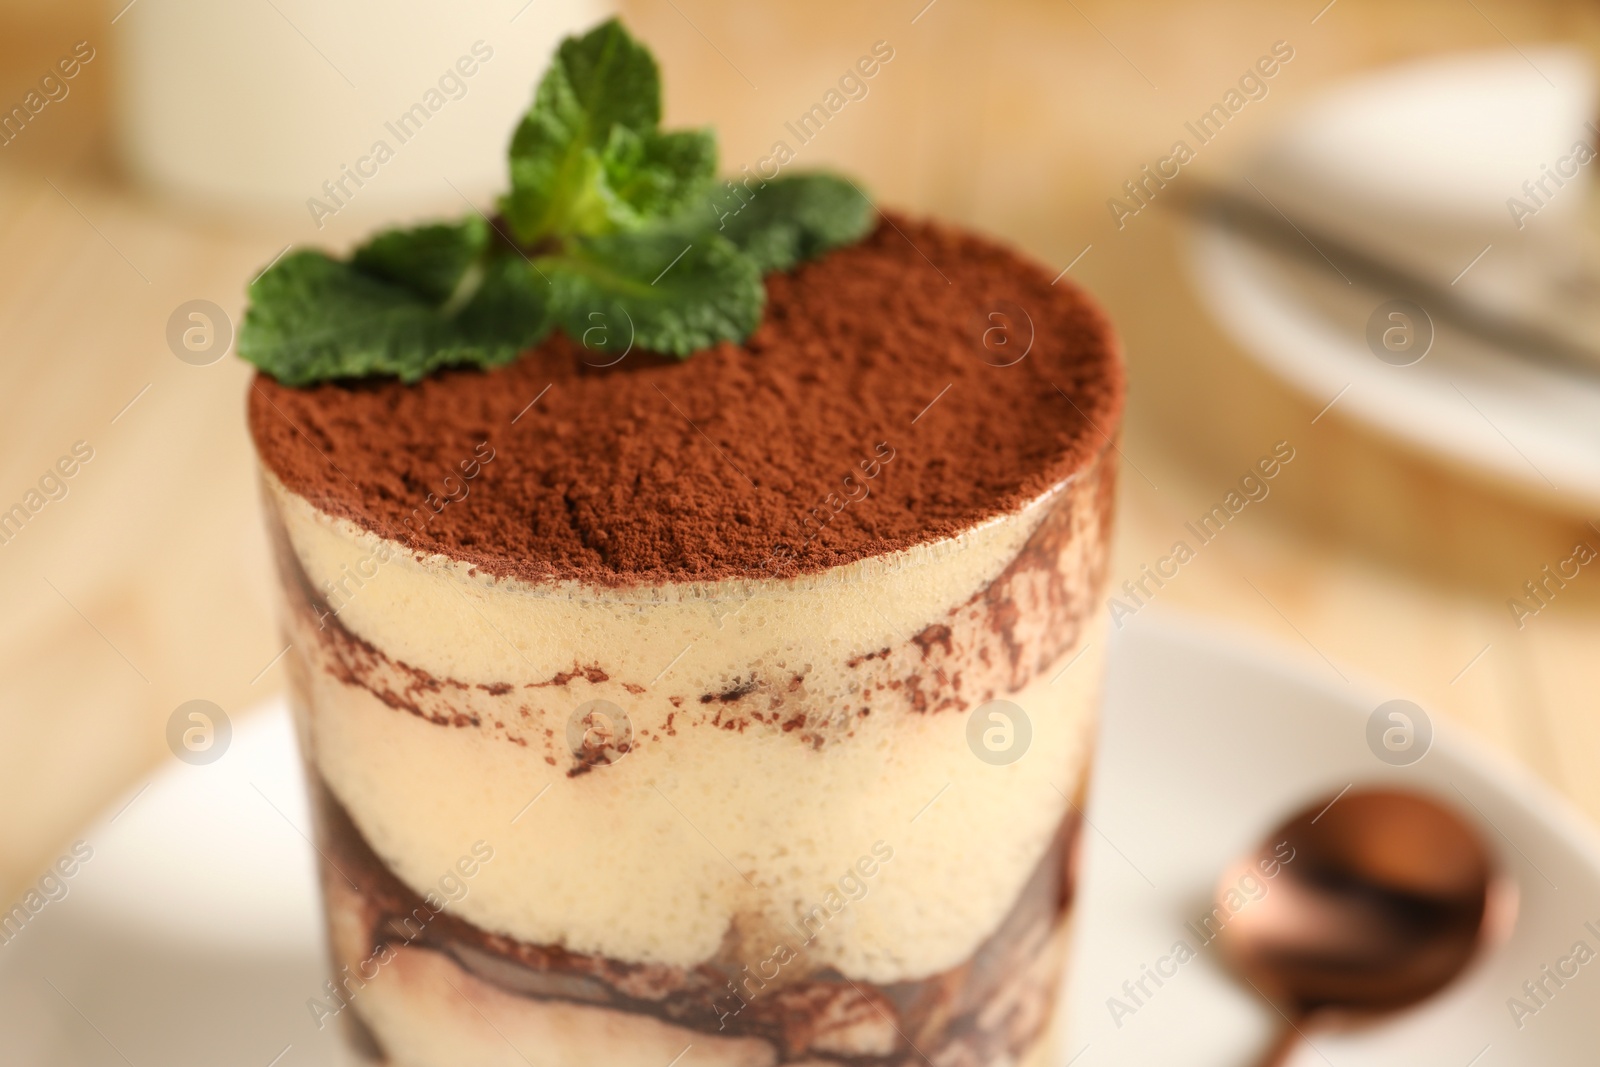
1359,906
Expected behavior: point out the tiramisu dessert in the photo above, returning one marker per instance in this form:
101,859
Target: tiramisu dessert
689,589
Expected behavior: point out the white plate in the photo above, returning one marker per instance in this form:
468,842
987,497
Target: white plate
1208,742
1530,426
1419,159
191,937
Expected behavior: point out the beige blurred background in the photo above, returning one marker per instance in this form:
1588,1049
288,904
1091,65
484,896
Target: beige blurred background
147,585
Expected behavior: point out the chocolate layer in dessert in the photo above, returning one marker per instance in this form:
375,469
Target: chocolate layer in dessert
990,1008
683,659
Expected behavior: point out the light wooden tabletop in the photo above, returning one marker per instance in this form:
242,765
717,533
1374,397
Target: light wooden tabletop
147,584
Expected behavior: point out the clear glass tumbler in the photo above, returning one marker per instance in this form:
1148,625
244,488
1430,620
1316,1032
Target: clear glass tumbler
829,819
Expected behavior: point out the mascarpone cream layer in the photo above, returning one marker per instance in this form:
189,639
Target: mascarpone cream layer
783,732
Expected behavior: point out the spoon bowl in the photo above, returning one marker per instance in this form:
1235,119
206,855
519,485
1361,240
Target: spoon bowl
1377,899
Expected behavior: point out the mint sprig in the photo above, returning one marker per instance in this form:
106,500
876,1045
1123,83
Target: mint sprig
613,231
313,318
660,288
589,157
795,219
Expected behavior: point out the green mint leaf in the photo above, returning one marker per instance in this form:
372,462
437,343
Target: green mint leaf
429,260
503,316
669,289
792,219
608,239
312,319
613,77
656,175
555,183
597,83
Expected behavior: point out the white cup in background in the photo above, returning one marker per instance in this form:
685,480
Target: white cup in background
345,113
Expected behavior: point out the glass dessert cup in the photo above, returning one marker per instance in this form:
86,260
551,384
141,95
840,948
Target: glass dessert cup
824,819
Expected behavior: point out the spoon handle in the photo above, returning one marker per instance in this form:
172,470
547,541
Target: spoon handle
1282,1048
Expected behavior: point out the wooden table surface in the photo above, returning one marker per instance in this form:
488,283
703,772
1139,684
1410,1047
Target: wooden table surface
148,583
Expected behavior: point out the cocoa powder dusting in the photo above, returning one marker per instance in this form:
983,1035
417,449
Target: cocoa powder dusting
753,460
